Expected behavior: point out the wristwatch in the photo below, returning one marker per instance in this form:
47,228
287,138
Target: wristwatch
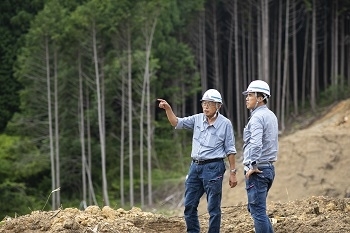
233,171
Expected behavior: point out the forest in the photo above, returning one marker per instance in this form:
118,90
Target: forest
79,120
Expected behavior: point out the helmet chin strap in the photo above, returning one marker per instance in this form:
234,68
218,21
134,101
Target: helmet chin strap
257,102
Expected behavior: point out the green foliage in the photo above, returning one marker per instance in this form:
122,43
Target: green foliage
335,92
164,176
13,199
21,170
63,30
15,20
19,158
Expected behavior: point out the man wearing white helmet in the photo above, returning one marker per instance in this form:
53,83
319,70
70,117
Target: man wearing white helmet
260,149
213,140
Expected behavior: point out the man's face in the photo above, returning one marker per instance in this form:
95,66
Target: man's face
250,100
209,108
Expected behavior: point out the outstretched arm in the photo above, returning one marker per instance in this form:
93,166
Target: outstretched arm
169,112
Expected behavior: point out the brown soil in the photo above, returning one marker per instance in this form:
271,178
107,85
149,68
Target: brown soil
309,195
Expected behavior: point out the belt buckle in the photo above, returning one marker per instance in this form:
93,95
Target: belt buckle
197,161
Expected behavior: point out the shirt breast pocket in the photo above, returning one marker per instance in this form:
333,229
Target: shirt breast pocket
213,140
196,133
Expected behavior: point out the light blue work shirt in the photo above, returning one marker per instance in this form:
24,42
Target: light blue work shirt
260,137
209,141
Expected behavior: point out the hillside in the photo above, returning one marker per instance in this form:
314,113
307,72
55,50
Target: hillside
308,194
312,161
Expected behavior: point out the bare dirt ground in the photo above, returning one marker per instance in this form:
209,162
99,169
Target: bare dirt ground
310,193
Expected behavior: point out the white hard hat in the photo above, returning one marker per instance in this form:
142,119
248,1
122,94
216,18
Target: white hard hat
212,95
258,86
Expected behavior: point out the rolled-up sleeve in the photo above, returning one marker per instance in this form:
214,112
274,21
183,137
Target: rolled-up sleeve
185,122
256,139
230,140
179,123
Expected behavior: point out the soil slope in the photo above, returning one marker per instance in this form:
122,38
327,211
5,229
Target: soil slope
308,195
313,161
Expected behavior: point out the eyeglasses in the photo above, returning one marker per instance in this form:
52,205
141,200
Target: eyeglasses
208,104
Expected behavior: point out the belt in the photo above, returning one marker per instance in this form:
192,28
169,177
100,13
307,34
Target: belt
264,164
261,164
201,162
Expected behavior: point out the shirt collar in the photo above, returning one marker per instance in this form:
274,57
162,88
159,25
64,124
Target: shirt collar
215,122
257,108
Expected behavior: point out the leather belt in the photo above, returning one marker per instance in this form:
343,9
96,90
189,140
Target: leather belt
201,162
264,163
260,164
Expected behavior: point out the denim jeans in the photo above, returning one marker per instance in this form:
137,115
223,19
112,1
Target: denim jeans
257,187
206,178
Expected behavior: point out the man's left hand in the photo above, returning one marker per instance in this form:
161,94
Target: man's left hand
233,180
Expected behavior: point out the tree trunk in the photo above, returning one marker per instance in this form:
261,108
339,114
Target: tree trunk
241,110
88,126
82,131
305,62
49,112
259,46
100,119
250,50
265,40
295,63
313,59
273,74
203,53
217,84
336,45
279,63
325,54
237,66
122,139
57,137
230,77
143,94
130,117
342,53
149,115
348,66
285,68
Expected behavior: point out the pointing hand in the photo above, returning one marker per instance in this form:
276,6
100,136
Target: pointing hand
163,104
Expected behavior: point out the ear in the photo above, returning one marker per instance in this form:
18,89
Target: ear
260,99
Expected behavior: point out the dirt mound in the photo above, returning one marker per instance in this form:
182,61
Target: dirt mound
308,195
92,219
315,214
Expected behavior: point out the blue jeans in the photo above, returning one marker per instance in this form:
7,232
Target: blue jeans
206,178
257,187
